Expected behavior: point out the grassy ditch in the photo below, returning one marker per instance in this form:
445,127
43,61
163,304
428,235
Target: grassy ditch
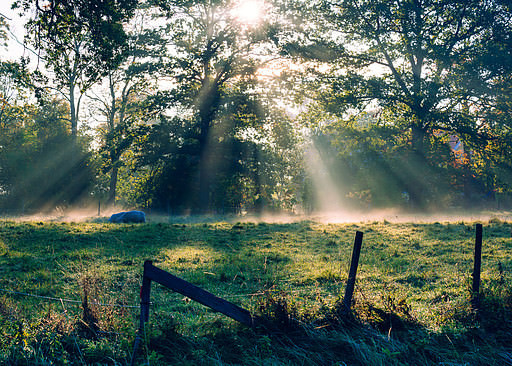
69,291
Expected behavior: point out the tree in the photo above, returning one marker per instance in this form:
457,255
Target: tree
409,58
209,49
78,40
39,170
14,89
123,102
256,156
15,81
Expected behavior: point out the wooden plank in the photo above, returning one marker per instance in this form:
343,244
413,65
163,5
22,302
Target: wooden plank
198,294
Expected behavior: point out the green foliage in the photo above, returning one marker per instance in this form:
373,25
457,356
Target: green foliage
60,22
375,164
426,66
195,118
253,159
15,82
41,166
80,42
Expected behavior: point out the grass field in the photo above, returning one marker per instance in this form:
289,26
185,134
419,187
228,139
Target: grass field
69,293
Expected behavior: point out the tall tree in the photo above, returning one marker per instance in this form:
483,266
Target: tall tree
209,48
122,102
13,113
42,167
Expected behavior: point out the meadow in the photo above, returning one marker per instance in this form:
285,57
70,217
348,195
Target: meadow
69,293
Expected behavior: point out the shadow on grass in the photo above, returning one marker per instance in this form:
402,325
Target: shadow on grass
240,258
370,335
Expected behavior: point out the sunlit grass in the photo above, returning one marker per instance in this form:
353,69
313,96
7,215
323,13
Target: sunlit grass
419,273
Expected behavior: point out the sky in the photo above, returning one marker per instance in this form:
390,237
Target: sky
14,50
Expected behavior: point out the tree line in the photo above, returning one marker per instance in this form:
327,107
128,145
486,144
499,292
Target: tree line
185,106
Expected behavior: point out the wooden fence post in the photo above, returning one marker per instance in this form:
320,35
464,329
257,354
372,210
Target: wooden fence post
351,281
475,298
145,292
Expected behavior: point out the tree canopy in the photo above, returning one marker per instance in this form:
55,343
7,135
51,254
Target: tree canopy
425,63
194,105
78,41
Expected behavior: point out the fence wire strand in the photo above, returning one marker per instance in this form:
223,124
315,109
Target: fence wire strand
68,300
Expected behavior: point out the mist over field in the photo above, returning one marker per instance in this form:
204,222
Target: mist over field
389,215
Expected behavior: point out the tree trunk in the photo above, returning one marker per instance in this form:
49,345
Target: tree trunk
204,186
259,204
418,140
112,186
204,175
417,167
72,112
209,99
73,106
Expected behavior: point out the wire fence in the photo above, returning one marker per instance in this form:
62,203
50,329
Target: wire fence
306,291
60,299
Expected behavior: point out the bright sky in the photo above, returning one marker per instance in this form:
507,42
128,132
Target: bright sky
15,50
249,12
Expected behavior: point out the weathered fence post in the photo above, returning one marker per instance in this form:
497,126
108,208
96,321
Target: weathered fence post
475,298
145,292
351,281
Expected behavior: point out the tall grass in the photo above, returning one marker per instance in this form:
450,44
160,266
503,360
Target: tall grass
411,305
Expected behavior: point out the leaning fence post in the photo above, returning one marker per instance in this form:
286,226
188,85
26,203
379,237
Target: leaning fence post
475,298
152,273
351,281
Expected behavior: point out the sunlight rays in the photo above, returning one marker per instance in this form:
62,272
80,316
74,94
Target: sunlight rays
325,189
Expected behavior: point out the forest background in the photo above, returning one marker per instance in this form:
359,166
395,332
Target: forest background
249,107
